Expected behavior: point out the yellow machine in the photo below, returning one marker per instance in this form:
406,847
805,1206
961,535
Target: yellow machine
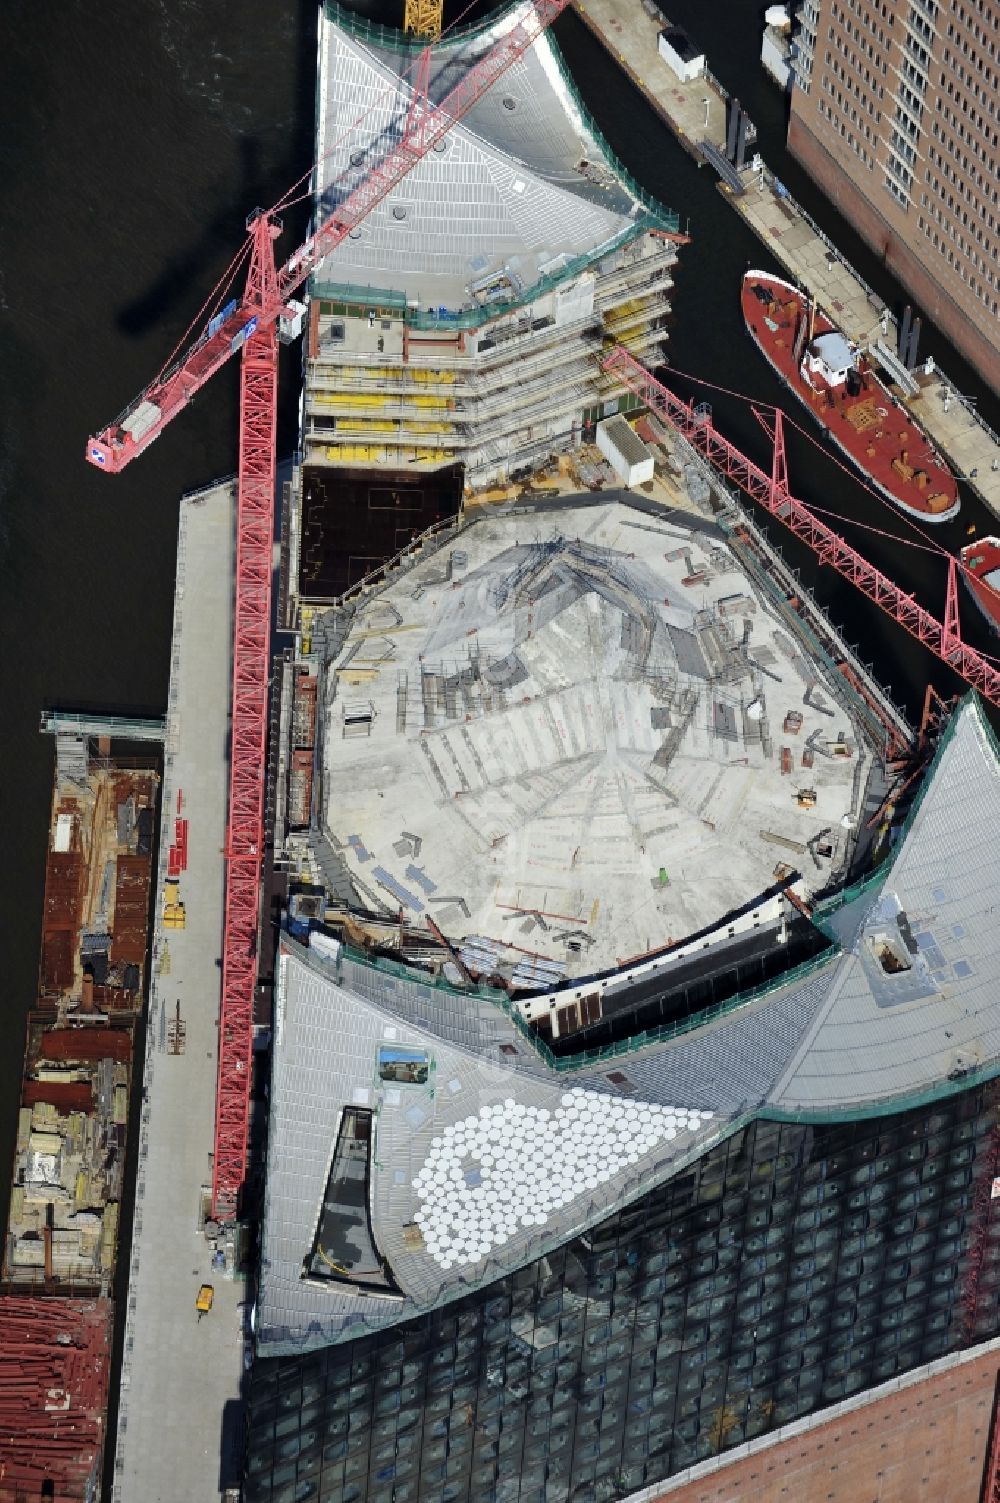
206,1294
174,916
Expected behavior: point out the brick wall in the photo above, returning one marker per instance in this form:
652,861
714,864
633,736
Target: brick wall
975,340
924,1443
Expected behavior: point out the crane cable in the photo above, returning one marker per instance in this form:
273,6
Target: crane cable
286,201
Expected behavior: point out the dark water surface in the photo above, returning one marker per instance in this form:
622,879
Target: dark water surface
134,139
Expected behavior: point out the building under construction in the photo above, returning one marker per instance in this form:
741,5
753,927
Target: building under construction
567,1228
635,1040
633,1075
454,339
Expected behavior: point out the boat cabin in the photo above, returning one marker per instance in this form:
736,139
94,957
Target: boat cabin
830,357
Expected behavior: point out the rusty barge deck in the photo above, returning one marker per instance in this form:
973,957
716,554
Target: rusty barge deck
61,1238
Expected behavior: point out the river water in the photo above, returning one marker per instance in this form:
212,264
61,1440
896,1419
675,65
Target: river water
135,138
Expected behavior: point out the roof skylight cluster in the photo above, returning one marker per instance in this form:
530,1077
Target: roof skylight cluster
512,1166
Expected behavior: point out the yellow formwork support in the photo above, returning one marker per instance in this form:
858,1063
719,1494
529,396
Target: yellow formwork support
414,425
355,454
445,378
626,313
441,404
368,402
352,400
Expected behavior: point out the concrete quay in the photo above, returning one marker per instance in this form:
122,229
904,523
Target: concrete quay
180,1408
695,111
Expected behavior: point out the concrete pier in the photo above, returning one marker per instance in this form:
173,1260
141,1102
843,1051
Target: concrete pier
695,111
181,1376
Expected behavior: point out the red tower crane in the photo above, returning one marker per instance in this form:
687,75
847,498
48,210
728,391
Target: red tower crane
250,325
695,423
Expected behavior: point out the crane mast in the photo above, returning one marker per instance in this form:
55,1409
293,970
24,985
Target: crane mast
423,18
248,740
250,326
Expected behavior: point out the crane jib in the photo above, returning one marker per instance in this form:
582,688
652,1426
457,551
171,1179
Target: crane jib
771,491
135,429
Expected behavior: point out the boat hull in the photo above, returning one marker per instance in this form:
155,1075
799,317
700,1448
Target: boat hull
879,435
985,596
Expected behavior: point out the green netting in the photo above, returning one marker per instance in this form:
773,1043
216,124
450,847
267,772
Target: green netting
666,219
422,978
928,1095
391,40
568,1063
351,297
388,39
653,217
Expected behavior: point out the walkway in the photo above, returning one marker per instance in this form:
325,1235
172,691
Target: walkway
181,1378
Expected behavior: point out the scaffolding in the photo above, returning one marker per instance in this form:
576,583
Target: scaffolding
519,385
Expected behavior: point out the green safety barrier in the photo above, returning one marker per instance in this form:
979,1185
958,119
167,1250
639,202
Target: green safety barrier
353,298
663,1033
825,909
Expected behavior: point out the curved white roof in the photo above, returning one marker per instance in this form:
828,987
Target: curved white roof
500,1157
521,183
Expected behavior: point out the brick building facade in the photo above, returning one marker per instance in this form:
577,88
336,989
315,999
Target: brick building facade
896,114
929,1437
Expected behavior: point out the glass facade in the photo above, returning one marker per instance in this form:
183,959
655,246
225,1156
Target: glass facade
792,1266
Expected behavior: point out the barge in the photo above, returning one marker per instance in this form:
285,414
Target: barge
61,1238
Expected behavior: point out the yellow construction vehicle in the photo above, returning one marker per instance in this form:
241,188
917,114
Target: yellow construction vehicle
206,1295
174,916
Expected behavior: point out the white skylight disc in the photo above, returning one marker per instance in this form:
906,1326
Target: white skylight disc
510,1167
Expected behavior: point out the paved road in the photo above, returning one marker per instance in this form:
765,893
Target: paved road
181,1380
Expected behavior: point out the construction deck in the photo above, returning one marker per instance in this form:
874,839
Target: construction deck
179,1419
62,1230
570,737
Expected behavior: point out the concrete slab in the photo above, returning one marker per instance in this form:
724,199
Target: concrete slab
586,732
181,1376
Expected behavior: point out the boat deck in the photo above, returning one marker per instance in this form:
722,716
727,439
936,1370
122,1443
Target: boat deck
59,1349
70,1155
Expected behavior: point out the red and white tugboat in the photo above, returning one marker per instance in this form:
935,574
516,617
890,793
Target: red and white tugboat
981,572
845,396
